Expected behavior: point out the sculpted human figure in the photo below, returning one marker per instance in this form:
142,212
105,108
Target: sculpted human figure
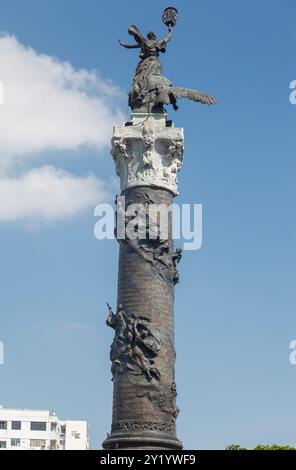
176,258
134,346
150,46
151,90
145,347
119,344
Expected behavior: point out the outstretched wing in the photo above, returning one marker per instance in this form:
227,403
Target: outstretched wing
134,31
194,95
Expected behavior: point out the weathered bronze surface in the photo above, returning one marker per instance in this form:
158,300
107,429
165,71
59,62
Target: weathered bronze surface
148,153
142,352
151,89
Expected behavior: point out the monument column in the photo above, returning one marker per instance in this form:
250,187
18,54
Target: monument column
148,153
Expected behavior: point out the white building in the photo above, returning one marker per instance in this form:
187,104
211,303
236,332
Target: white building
74,435
22,429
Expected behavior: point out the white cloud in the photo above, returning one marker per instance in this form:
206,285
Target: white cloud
49,105
48,193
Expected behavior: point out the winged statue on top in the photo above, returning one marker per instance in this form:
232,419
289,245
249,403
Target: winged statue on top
151,90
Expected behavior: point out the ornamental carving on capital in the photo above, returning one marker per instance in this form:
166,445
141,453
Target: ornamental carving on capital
149,154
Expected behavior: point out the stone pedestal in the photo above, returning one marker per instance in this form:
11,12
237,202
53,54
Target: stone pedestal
148,154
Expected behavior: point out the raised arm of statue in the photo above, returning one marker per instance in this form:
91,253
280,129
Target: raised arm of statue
134,31
137,35
111,317
168,37
128,46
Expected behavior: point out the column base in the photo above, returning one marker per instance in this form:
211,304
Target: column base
141,441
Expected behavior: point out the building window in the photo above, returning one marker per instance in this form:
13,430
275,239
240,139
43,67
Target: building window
53,426
2,444
16,425
63,429
15,442
38,426
53,445
3,424
38,443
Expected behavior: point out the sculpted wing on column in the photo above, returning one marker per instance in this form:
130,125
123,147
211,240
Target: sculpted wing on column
170,95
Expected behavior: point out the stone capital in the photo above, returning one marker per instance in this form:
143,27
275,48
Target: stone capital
148,152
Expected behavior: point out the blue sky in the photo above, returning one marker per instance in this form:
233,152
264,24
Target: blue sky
235,305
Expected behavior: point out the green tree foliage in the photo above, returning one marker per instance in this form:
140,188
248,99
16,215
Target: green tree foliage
260,447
